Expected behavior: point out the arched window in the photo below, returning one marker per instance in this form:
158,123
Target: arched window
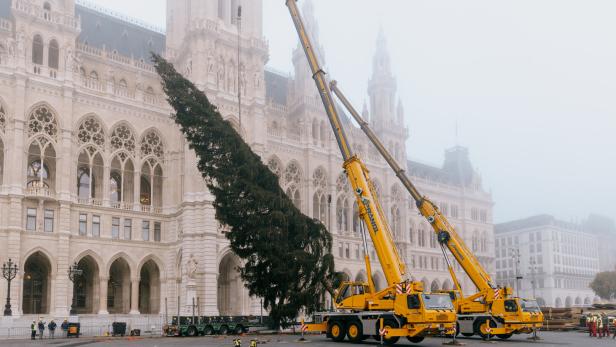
84,189
293,194
46,6
53,58
395,221
356,219
145,195
37,49
37,171
475,241
115,187
319,207
150,193
315,131
94,76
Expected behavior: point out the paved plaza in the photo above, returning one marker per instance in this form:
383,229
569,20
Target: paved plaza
548,339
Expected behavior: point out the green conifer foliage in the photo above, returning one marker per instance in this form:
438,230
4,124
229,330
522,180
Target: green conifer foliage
286,255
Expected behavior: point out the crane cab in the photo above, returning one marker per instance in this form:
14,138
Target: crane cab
352,296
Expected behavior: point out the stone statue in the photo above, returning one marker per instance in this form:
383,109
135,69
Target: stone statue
191,267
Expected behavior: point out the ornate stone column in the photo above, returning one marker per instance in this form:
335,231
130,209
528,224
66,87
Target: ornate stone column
134,295
102,306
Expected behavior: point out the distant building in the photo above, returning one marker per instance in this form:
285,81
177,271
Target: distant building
605,230
557,260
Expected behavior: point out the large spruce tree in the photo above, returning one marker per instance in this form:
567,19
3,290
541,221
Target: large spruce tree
286,255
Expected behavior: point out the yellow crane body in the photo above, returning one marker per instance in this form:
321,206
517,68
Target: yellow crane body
403,307
492,309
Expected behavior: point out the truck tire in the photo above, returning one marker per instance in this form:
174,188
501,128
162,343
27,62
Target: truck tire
208,330
337,331
390,323
467,334
192,331
355,331
504,336
479,325
224,330
415,339
239,329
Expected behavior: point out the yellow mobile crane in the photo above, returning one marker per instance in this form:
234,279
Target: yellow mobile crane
492,310
402,308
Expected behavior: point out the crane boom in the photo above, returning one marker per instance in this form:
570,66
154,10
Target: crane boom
446,232
357,173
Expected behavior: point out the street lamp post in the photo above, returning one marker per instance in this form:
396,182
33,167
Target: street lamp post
515,254
73,272
532,274
9,271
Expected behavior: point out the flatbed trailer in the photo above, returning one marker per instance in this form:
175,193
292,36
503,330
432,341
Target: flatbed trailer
212,325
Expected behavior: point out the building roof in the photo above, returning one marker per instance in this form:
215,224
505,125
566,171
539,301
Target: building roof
456,170
535,221
104,29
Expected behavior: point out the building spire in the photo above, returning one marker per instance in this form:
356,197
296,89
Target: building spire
381,65
382,86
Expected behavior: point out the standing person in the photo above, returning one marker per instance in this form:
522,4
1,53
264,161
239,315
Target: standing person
64,328
33,330
589,324
599,326
41,328
52,328
593,325
606,325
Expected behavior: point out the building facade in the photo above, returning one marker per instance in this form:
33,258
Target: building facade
556,260
94,172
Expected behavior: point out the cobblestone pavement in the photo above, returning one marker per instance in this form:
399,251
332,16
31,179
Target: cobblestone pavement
548,339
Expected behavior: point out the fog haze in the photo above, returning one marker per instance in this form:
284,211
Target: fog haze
530,84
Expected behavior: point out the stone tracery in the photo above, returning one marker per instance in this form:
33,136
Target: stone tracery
123,138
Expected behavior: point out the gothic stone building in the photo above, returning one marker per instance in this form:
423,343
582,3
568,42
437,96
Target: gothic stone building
93,171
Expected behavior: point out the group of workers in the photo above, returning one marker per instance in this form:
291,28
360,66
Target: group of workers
40,328
599,325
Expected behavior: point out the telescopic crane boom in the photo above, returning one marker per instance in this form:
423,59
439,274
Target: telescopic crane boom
401,308
491,309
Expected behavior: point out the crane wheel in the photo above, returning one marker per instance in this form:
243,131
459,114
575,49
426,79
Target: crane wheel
387,324
336,331
415,339
480,328
355,332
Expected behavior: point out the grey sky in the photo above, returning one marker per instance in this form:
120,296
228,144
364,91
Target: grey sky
531,84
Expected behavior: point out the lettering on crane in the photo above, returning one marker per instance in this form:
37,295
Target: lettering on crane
366,204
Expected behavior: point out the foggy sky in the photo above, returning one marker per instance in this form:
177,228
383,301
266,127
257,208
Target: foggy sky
531,85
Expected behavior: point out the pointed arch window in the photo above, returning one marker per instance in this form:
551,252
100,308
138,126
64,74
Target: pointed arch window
53,56
37,49
115,187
